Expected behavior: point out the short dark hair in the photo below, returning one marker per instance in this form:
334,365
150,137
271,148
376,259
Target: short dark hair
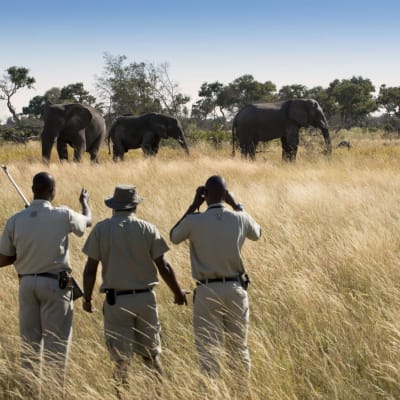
216,185
43,183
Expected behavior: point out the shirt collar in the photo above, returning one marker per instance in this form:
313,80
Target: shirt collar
215,205
123,213
40,202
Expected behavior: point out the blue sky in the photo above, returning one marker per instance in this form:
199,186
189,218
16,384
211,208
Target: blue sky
311,42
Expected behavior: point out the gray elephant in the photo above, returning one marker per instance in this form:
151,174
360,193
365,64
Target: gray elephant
145,132
262,122
80,126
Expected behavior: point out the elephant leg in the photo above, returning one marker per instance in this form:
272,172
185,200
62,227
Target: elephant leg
248,150
78,153
252,150
289,147
79,145
62,150
118,152
149,150
150,144
154,147
94,150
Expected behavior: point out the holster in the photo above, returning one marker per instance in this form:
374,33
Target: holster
244,280
67,281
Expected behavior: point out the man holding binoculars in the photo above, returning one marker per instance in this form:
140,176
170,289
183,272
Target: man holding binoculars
220,301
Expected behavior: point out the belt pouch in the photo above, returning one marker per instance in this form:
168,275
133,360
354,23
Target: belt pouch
63,280
110,296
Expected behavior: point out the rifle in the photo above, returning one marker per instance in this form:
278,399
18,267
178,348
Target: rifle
76,290
26,202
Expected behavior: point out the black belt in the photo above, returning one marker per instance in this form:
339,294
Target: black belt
133,291
229,279
45,274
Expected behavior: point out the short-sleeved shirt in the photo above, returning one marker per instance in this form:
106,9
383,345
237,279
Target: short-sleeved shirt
38,237
127,247
216,237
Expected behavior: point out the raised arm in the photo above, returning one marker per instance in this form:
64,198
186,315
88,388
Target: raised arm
84,200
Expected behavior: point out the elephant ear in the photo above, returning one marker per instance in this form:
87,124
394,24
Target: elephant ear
77,117
298,112
159,126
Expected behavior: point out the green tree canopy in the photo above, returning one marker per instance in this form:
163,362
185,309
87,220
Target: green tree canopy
246,90
295,91
216,99
354,99
72,93
15,79
389,99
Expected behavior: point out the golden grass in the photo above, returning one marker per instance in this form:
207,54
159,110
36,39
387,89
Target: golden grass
324,296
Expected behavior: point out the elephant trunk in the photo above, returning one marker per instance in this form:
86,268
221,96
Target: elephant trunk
327,139
323,124
182,141
184,145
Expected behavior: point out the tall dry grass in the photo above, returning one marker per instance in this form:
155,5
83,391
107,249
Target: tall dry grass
325,296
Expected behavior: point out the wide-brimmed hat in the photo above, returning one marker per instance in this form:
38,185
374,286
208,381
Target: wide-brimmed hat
125,197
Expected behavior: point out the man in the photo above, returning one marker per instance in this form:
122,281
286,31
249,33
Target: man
36,241
130,251
221,303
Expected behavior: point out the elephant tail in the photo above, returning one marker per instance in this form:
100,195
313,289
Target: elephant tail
234,130
108,140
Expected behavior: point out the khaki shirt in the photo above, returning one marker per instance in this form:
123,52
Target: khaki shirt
126,247
38,237
216,237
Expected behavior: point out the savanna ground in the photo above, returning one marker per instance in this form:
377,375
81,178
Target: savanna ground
325,291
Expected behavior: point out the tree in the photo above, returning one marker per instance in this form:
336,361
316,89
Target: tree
72,93
165,91
218,100
76,93
389,99
209,102
245,90
354,99
295,91
16,78
138,88
37,103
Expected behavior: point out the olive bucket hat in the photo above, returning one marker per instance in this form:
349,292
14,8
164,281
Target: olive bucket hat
125,197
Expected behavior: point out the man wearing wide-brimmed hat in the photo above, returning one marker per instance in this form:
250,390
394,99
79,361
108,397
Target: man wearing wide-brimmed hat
130,251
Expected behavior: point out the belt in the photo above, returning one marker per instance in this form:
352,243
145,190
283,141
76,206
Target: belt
45,274
228,279
133,291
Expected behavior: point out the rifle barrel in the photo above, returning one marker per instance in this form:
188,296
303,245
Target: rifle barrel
4,168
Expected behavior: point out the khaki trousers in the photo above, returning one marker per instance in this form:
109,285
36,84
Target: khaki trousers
132,325
45,318
221,311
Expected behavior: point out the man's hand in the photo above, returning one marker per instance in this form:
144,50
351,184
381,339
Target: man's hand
181,299
84,197
229,199
87,306
199,197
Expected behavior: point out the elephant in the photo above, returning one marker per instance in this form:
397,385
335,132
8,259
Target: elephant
80,126
145,131
263,122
